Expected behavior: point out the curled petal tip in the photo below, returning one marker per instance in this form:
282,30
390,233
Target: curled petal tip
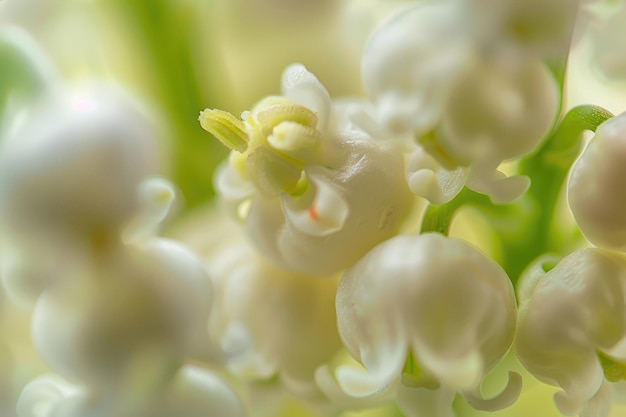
504,399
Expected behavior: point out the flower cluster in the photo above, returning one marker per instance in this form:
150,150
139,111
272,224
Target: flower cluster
309,282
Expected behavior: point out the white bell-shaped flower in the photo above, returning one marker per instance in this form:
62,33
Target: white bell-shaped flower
270,322
315,191
572,329
428,315
498,111
412,63
70,166
431,78
128,318
73,163
595,186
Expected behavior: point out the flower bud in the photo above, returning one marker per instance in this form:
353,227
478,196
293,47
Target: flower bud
595,188
572,329
437,301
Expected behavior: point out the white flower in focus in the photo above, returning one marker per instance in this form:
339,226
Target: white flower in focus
315,191
572,330
595,186
426,315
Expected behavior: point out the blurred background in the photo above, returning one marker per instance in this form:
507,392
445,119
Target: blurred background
182,56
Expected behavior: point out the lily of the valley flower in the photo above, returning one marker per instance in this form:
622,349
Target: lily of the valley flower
315,191
70,166
595,186
572,329
427,316
469,106
272,323
193,392
141,307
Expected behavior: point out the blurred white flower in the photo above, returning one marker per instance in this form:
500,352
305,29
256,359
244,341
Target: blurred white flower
193,392
138,307
271,323
315,191
534,28
428,316
572,330
605,33
595,186
470,105
70,166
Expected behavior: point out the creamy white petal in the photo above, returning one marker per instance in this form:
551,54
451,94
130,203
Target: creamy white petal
428,179
302,87
412,63
595,184
436,295
576,310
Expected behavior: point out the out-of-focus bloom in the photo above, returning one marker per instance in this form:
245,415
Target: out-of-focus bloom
595,187
70,167
470,105
572,330
193,392
271,323
315,191
532,28
606,31
137,307
436,301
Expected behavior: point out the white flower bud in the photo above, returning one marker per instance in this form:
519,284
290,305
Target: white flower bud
595,187
439,300
572,325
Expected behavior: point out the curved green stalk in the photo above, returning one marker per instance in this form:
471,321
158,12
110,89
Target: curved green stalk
26,71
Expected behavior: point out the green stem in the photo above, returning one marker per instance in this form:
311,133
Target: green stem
526,228
167,30
438,218
26,71
548,169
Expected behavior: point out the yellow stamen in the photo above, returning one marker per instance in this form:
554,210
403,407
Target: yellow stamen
226,128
